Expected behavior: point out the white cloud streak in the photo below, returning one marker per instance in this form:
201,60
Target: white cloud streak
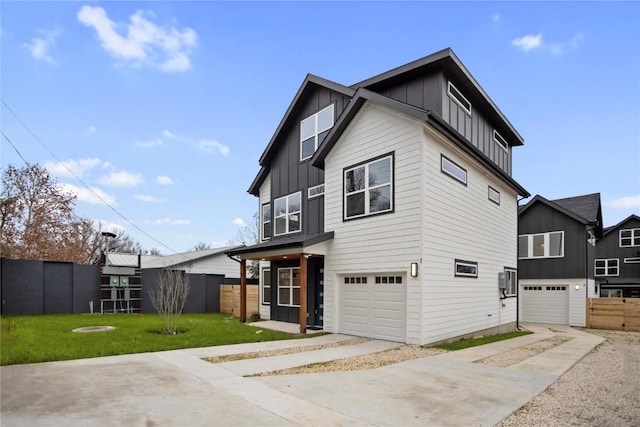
625,202
167,134
93,196
71,167
163,180
172,221
148,198
528,42
122,179
149,144
531,42
210,146
39,46
240,222
141,42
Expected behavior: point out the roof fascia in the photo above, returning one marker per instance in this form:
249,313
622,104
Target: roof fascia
555,206
254,188
621,223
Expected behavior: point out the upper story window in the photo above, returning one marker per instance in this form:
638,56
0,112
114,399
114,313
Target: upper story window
459,98
607,267
500,141
543,245
288,214
316,191
453,170
630,237
368,188
266,221
313,129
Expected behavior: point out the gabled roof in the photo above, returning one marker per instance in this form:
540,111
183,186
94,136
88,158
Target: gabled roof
621,223
584,209
182,258
447,60
363,95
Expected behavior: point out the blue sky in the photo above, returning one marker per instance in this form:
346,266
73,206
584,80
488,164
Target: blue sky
163,108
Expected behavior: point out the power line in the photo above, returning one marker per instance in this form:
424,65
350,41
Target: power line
76,177
14,147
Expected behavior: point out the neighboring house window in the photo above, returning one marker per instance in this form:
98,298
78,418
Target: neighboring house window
630,237
466,268
450,168
500,141
494,195
457,96
607,267
511,278
266,221
368,188
266,286
316,191
288,214
313,129
611,293
289,287
543,245
632,260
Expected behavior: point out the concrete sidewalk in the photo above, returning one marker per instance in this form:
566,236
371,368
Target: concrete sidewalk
178,388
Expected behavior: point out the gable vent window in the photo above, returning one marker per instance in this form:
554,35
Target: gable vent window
630,237
313,129
456,172
457,96
544,245
500,141
494,195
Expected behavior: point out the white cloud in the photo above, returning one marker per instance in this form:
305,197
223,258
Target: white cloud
528,42
556,49
93,196
210,146
39,46
577,40
148,198
167,134
495,18
163,180
149,144
240,222
625,202
141,42
171,221
122,179
72,168
92,130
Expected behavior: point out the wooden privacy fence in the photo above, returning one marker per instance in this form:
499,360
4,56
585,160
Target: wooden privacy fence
622,314
230,299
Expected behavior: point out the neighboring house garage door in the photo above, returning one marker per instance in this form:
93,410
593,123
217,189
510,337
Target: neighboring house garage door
373,306
545,304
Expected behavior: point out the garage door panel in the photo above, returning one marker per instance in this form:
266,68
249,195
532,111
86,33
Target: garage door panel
545,304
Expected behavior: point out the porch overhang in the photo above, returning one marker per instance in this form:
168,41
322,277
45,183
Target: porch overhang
285,248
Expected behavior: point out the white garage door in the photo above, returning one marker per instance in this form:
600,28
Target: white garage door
373,306
545,304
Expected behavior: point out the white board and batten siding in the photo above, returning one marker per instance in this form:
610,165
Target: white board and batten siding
544,301
265,197
378,244
460,222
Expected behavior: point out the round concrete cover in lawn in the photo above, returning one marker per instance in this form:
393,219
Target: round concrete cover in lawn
94,329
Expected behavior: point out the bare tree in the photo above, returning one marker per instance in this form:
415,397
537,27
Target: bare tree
201,246
250,235
169,297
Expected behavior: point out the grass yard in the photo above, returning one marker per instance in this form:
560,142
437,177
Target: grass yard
44,338
466,343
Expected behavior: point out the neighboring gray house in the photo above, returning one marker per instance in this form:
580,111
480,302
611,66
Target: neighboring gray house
617,263
556,253
388,209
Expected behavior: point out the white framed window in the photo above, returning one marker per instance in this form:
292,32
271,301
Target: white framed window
313,129
607,267
635,260
368,188
266,286
500,141
316,191
266,221
466,268
494,195
288,214
630,237
459,99
289,287
455,171
611,293
511,278
543,245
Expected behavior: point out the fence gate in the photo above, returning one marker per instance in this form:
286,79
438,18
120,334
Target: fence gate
622,314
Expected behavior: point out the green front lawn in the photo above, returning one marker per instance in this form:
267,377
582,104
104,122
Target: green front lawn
473,342
44,338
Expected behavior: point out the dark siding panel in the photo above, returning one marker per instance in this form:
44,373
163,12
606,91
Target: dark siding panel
415,92
58,287
22,290
213,292
399,93
86,287
609,247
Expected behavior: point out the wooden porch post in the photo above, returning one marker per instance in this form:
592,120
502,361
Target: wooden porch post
303,294
243,290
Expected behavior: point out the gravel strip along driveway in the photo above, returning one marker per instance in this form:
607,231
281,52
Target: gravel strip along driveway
517,355
603,389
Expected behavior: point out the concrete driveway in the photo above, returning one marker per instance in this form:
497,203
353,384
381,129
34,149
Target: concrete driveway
177,388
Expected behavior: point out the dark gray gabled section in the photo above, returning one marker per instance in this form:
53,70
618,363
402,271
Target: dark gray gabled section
609,247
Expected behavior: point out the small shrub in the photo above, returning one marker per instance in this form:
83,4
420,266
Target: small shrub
254,317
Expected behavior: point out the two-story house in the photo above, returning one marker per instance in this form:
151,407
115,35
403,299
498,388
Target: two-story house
617,263
556,253
388,209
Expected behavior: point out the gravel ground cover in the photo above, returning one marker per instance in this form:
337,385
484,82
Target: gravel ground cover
603,389
516,355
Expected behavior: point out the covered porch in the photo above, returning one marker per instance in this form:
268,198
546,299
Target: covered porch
292,286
